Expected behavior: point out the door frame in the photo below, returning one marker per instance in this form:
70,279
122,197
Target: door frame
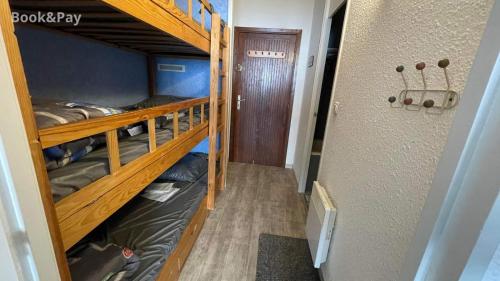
234,84
331,7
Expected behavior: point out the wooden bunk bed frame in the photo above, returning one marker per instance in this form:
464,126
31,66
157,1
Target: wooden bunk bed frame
155,28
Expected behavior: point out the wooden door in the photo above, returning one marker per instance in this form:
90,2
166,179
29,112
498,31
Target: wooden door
264,77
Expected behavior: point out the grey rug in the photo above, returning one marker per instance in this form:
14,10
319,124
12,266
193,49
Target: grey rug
282,258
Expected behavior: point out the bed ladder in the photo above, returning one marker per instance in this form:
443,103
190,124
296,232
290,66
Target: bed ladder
219,50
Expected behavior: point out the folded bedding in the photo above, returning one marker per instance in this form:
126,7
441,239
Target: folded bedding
61,155
49,113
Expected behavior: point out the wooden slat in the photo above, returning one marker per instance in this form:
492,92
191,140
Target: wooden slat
152,134
190,9
110,31
164,47
176,124
202,11
191,118
202,113
122,25
224,110
143,37
214,97
223,42
73,131
96,202
57,4
113,151
163,19
182,16
23,96
207,5
147,41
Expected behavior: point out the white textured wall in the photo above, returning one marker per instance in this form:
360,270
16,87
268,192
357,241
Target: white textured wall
289,14
379,162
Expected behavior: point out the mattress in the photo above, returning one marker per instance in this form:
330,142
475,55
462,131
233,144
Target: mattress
95,165
151,229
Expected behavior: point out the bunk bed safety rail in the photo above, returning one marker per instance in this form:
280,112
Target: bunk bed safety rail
188,16
73,131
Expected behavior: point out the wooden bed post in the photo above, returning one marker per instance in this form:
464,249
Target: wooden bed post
7,29
214,97
224,109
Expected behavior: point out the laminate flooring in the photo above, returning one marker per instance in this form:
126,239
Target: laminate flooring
257,199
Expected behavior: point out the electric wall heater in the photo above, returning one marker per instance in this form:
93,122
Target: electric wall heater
320,221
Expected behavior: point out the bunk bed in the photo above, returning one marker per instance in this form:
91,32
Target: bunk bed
154,28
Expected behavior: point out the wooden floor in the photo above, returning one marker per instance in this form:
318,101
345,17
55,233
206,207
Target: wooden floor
257,200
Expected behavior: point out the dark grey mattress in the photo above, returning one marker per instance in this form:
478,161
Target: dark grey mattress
95,165
153,229
149,228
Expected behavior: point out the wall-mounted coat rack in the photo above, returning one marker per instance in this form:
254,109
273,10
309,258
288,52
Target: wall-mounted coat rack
416,99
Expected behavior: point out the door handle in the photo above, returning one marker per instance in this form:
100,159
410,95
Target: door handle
238,102
239,67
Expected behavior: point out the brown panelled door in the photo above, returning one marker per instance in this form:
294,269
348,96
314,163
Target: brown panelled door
263,84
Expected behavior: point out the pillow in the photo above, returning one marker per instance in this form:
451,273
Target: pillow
104,263
190,168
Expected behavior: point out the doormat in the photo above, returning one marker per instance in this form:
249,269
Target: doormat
282,258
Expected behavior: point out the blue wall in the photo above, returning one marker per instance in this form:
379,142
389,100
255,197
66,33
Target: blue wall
195,82
66,67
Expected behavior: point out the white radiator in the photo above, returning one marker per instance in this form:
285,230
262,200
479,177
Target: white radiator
319,227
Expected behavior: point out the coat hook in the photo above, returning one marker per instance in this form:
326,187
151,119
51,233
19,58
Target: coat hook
443,64
407,96
420,67
400,69
408,101
428,103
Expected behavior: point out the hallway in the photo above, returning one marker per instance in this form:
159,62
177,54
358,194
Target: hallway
257,199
